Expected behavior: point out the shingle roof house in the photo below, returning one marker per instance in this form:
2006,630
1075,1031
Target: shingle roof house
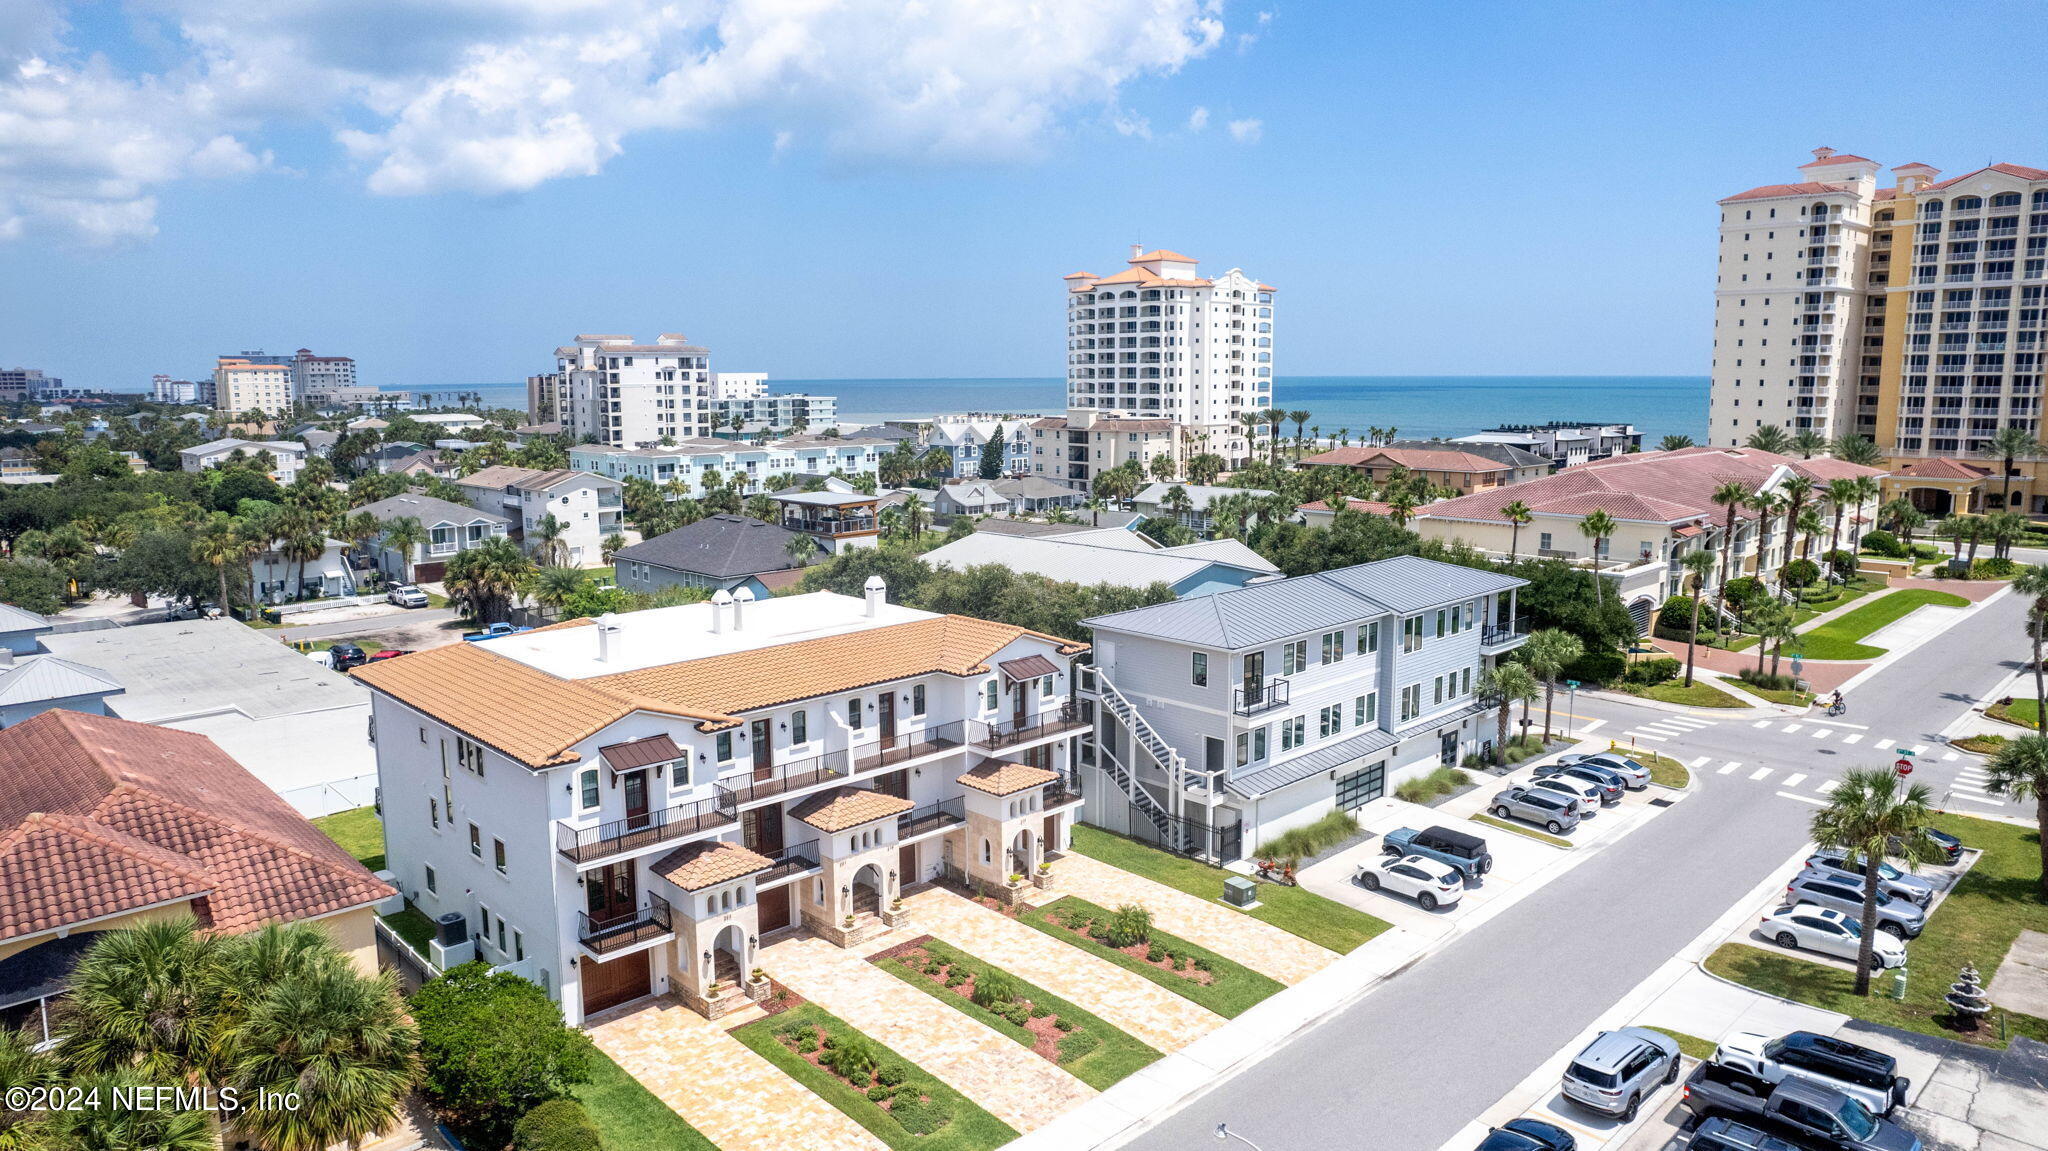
718,552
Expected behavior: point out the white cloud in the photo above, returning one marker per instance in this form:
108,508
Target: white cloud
1245,40
1247,131
1198,119
496,96
1131,124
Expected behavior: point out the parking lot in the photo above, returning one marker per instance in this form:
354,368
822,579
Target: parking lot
1751,931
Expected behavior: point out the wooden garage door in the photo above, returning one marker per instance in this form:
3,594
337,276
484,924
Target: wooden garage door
772,907
610,984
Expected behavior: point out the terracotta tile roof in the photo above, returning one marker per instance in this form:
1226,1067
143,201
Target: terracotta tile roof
1147,279
1774,191
1078,276
1001,777
1916,166
695,866
2020,170
1653,487
1885,194
537,718
1373,506
1161,254
1414,459
1943,468
1841,158
100,815
845,807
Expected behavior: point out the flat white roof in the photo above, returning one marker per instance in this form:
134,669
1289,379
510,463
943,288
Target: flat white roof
661,636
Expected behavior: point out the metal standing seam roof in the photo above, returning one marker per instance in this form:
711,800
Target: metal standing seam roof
1322,759
35,678
17,619
1263,613
1066,558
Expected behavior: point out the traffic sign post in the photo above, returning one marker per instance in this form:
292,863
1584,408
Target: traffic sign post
1571,687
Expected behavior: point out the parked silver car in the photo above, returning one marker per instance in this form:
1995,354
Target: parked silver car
1636,774
1555,813
1901,917
1618,1068
1591,796
1612,783
1890,880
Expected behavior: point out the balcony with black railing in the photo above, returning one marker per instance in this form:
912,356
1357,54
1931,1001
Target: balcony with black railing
1011,732
830,525
930,818
792,776
598,841
618,932
1256,696
904,746
1501,633
793,860
1060,794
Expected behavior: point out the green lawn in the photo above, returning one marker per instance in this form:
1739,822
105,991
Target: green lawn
1837,639
1108,1054
629,1117
969,1128
2023,712
1977,923
1293,909
1663,768
1234,990
1518,829
1789,698
1700,694
413,926
1808,610
1691,1045
359,832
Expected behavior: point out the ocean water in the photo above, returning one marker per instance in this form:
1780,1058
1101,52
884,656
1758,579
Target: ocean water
1419,407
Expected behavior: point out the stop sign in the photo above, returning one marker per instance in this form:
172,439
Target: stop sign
1904,767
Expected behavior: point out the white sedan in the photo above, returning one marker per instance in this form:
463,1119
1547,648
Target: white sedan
1588,794
1429,883
1829,932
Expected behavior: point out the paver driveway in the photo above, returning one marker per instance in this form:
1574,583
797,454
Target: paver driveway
739,1100
1232,934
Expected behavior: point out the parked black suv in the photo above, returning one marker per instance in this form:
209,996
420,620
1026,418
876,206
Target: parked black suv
347,655
1720,1134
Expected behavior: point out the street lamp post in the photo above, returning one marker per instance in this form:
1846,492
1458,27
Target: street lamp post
1223,1133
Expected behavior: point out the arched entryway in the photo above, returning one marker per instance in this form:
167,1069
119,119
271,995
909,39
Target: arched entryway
867,890
1639,612
729,954
1932,502
1021,853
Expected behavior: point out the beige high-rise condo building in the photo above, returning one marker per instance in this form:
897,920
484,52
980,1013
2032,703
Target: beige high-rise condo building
1910,314
243,385
1159,341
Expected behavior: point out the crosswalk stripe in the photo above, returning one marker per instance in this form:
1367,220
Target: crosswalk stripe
1827,785
1732,765
1663,729
1821,733
1950,757
1920,750
1793,729
1591,726
1763,723
1985,800
1690,721
1973,774
1971,787
1795,779
1760,773
1882,744
1801,798
1701,761
1647,735
1853,737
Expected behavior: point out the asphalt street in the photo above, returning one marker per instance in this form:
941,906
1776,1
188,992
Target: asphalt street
1407,1066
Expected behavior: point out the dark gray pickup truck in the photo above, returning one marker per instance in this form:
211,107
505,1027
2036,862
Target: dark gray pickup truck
1804,1112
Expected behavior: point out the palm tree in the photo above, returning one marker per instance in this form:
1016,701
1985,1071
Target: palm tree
611,547
2004,528
404,535
1731,495
220,547
1275,418
303,548
1096,505
1765,505
1809,443
1769,438
341,1042
2011,442
551,587
1842,495
1599,527
1674,443
1204,467
2032,581
1252,421
1866,814
800,549
1177,503
1300,418
1401,504
1955,529
484,578
2020,769
1508,684
1517,514
548,542
1794,491
1548,653
913,517
1810,527
1855,449
1697,564
1776,625
145,998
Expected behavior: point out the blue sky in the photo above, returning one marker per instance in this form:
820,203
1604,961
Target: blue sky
1436,189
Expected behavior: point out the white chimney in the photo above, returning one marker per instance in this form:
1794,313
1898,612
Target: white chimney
721,602
6,657
875,592
740,600
1137,250
610,638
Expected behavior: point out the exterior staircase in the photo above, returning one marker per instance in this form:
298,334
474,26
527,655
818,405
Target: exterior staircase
1143,735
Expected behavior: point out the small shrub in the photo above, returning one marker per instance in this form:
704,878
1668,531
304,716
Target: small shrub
877,1093
934,965
1182,962
1038,1012
1414,791
1884,543
1996,567
1800,573
1767,681
1597,667
806,1041
1745,590
1063,1023
1649,672
1843,562
892,1074
917,1114
956,977
994,988
1016,1013
1201,964
1153,954
1076,1045
556,1125
1132,923
851,1057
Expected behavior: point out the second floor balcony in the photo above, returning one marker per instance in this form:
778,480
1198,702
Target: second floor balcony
614,933
1254,696
648,829
1504,633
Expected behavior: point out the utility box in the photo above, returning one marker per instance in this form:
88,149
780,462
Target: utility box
1240,892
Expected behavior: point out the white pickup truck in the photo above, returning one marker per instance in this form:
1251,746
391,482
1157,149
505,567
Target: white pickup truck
1868,1076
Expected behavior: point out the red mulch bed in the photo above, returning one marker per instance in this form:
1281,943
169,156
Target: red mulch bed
780,999
1045,1034
816,1058
1137,951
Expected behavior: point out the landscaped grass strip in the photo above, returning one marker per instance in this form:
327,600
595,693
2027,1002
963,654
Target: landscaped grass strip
1296,910
1518,829
966,1126
629,1117
1231,990
1110,1055
1837,638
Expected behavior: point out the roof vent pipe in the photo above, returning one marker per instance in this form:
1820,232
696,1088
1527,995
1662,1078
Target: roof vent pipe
721,602
610,638
740,600
874,591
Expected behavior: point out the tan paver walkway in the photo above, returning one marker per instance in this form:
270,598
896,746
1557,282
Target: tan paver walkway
1232,934
1151,1013
739,1100
999,1073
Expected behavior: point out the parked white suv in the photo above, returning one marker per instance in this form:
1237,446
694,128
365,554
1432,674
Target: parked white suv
1429,883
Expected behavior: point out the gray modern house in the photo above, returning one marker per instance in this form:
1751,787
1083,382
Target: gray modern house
722,553
1223,720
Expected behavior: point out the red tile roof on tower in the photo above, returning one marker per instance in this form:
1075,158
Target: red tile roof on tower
1648,487
1916,166
1414,459
1777,191
101,816
1162,254
1830,161
1943,468
2020,170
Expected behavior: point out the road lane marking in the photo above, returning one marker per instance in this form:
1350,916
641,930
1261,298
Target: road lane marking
1763,723
1841,723
1591,725
1827,785
1795,779
1950,757
1793,729
1701,761
1821,733
1802,798
1853,737
1647,735
1760,773
1882,744
1985,800
1920,750
1732,765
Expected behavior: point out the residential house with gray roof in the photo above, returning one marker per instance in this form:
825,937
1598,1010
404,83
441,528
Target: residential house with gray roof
1226,719
449,528
721,553
1113,556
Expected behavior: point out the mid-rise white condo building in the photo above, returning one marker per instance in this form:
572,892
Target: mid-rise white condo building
611,390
